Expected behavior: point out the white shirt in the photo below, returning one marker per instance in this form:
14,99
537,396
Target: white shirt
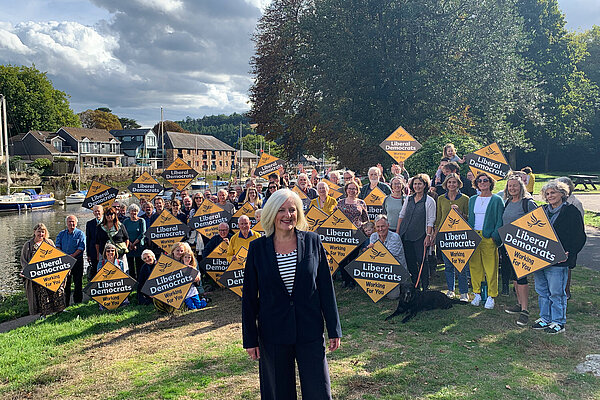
481,205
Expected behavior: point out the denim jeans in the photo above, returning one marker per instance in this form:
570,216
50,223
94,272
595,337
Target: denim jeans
550,285
451,271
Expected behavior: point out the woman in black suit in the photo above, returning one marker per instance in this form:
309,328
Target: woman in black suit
288,290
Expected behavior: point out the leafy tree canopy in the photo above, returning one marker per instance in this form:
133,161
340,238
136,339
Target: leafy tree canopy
32,102
224,127
168,126
99,119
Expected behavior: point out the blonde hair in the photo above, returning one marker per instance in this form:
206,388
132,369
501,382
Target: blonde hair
41,226
523,193
272,208
446,147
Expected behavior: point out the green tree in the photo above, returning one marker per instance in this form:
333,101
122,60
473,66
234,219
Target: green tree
224,127
168,126
99,119
254,143
32,102
341,75
129,123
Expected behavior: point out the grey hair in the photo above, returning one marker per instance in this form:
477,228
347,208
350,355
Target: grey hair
375,169
334,174
382,217
133,207
523,193
323,183
272,208
69,216
147,251
566,180
558,186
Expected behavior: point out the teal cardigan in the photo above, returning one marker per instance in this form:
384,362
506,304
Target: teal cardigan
493,217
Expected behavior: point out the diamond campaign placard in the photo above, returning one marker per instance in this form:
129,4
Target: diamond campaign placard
315,217
48,267
101,194
335,191
110,286
490,160
216,262
339,236
303,197
145,186
377,271
374,202
400,145
179,174
233,277
247,210
457,240
166,230
333,265
267,165
169,281
207,218
531,243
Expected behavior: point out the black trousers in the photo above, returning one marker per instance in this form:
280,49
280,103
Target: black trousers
413,252
76,276
278,373
135,264
91,272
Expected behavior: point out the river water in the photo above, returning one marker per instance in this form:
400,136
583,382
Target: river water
17,228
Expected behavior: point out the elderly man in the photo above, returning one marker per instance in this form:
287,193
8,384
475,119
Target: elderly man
241,239
216,240
302,184
149,215
374,182
90,238
72,242
392,242
223,203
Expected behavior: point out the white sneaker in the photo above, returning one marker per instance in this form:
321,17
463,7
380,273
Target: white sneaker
450,294
476,300
489,303
464,297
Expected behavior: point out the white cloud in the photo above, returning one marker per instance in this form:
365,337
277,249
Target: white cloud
12,44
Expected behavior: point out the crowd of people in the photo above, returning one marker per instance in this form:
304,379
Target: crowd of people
413,211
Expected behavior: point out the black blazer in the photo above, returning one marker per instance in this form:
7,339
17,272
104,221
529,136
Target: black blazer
570,230
284,318
90,238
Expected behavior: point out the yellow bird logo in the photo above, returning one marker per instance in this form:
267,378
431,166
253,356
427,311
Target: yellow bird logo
164,265
109,273
314,221
376,253
337,220
221,251
242,260
205,208
374,197
164,218
535,222
491,152
452,221
44,253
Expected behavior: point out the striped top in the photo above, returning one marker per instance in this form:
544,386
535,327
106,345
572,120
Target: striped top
287,268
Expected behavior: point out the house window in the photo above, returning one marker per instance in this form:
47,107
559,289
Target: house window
57,145
150,140
220,163
127,138
84,147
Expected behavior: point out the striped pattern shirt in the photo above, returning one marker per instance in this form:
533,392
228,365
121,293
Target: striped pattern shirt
287,268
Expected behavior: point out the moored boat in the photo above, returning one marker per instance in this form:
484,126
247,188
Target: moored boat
76,198
27,199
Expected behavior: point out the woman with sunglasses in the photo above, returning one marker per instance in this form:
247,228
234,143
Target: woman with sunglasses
485,216
110,230
272,188
176,211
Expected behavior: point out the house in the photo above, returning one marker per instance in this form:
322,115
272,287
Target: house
139,147
249,160
40,144
201,152
97,147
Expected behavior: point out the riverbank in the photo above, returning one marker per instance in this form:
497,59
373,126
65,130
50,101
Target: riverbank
464,352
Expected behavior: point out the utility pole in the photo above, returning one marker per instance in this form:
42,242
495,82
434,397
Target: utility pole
162,137
5,139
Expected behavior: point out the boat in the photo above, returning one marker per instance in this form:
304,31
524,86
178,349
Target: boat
200,184
27,199
76,198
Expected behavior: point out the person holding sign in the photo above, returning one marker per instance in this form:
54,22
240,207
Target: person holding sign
374,181
302,183
242,239
288,290
112,231
518,202
415,227
485,216
453,199
324,202
550,282
40,300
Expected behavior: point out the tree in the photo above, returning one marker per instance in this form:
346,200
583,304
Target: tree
32,102
254,143
224,127
341,75
99,119
169,126
129,123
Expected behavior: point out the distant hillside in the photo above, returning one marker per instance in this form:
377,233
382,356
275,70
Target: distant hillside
223,127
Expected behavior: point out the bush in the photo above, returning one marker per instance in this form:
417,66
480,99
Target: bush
41,163
427,159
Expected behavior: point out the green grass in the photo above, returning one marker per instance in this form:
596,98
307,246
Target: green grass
13,306
464,352
592,218
541,179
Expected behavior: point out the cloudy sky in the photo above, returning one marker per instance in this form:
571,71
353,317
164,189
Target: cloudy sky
134,56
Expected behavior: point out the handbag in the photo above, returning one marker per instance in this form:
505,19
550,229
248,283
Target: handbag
121,247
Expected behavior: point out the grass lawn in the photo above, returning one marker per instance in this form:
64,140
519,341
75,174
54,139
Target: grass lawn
464,352
592,218
541,179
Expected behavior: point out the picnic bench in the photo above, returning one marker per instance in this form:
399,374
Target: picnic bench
585,180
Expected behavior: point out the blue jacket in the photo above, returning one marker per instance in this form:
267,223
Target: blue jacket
284,318
493,217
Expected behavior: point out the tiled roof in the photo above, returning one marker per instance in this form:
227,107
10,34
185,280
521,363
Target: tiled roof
95,135
178,140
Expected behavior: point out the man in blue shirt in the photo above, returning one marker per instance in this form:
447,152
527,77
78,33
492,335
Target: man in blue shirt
72,242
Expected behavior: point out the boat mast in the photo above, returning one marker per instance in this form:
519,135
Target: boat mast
4,132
